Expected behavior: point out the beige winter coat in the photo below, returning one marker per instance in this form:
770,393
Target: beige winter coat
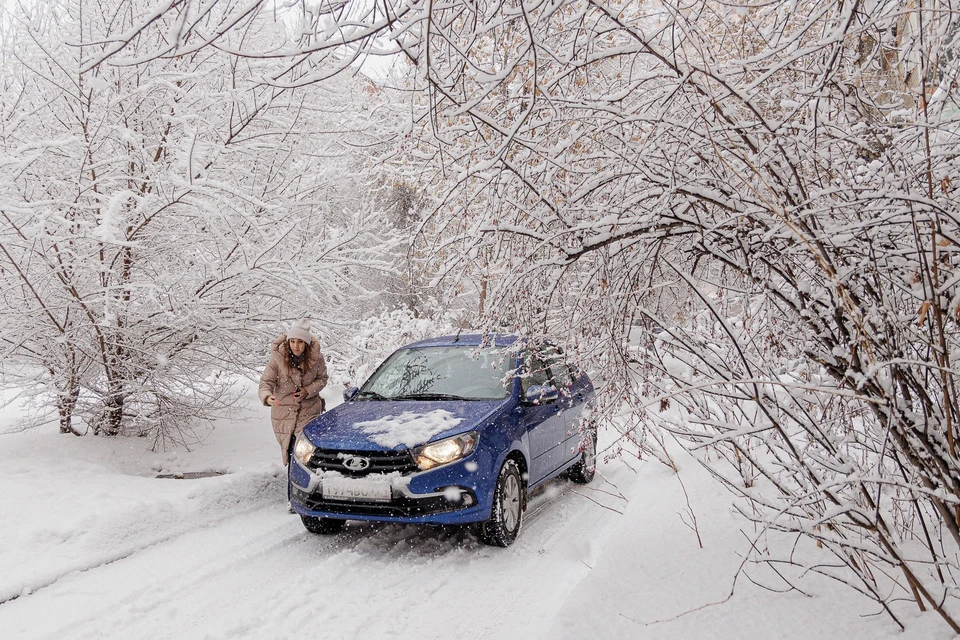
281,380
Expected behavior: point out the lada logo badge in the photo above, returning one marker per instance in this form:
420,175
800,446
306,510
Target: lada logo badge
356,463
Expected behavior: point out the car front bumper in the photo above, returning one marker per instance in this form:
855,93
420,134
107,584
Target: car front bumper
435,508
450,503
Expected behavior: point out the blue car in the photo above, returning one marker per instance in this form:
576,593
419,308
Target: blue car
451,430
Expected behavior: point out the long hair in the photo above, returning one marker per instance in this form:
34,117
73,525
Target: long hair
288,356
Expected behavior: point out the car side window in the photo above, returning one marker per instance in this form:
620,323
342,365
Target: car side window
559,371
536,371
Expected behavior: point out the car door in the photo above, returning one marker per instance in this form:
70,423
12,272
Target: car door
570,403
575,394
543,421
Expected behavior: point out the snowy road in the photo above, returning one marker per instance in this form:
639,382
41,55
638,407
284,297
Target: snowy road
259,574
94,545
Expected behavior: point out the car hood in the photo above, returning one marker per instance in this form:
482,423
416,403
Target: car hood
371,425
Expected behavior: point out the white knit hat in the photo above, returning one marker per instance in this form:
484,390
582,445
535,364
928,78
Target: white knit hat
300,331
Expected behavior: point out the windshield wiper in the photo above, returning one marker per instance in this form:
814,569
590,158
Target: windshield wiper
373,395
428,396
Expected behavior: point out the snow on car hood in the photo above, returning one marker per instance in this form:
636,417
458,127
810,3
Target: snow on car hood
409,428
370,424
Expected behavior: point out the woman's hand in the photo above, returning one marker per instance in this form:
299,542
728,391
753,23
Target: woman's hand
271,400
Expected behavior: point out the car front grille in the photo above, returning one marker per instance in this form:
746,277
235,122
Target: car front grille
379,461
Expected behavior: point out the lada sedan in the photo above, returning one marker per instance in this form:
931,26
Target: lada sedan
451,430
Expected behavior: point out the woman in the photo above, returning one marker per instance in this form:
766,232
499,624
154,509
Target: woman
291,384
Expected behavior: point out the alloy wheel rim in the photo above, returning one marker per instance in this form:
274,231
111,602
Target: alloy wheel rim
511,502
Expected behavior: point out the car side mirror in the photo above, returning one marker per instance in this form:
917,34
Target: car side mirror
350,393
541,394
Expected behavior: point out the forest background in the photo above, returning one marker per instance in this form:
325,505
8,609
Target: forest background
739,216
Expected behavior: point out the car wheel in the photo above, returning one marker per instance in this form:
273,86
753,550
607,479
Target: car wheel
508,503
584,471
323,526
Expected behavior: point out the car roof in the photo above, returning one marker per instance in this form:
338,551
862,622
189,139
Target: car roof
466,340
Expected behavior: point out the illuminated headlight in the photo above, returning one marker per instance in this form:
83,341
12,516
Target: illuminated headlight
445,451
303,450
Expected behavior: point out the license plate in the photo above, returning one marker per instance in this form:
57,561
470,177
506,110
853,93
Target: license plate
359,489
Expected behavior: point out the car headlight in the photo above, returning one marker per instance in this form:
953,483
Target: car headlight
303,450
445,451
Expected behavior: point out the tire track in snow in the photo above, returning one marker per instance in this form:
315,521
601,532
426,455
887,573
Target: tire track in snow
209,506
260,574
93,594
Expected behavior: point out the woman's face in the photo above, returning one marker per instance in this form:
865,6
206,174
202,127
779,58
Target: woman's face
297,346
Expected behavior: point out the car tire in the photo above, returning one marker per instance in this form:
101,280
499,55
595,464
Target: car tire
289,480
506,516
584,471
323,526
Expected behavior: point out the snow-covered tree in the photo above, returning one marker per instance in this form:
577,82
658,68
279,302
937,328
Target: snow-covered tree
160,222
766,188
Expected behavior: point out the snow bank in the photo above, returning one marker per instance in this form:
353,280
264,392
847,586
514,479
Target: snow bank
71,503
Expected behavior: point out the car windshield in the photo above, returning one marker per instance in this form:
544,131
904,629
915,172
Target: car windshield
441,373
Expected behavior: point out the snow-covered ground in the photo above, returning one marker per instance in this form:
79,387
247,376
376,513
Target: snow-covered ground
94,545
